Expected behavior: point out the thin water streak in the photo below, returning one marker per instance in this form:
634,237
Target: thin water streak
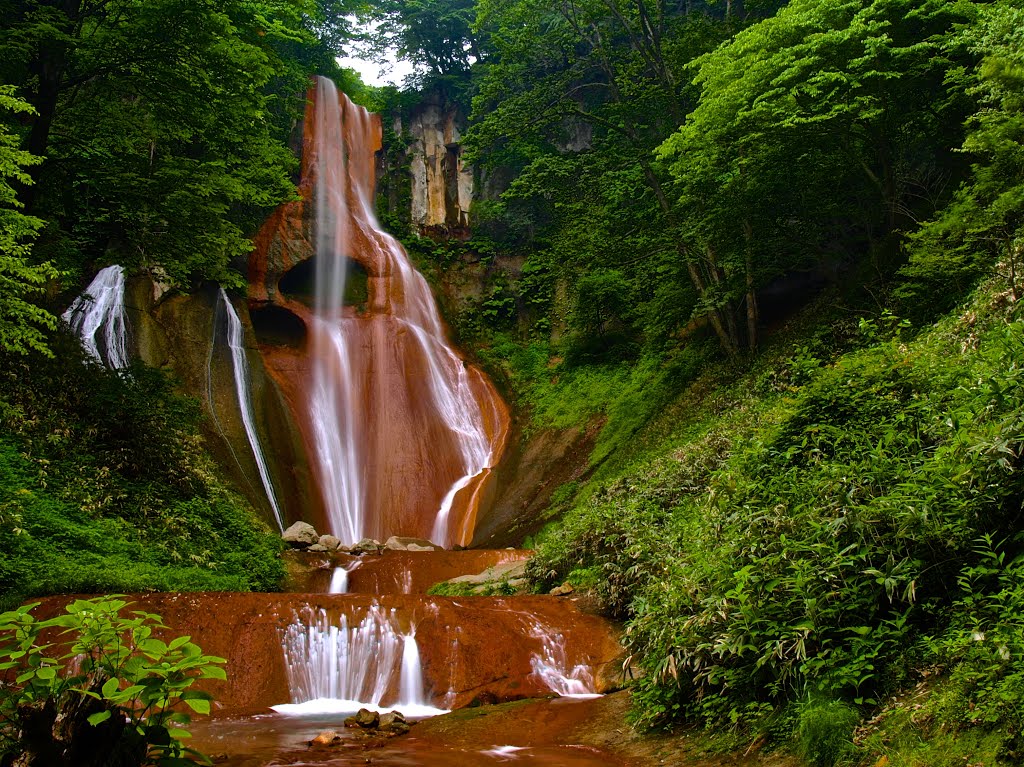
240,368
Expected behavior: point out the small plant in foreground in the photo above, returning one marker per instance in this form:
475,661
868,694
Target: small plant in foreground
91,687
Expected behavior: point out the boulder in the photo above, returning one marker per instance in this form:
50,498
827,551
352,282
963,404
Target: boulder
507,571
325,738
398,543
317,547
562,591
393,723
300,535
330,542
366,546
365,719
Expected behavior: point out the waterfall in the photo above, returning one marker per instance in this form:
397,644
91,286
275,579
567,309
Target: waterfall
339,581
392,407
98,317
332,405
551,666
240,366
334,667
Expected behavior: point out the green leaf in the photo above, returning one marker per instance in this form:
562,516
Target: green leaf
99,718
110,687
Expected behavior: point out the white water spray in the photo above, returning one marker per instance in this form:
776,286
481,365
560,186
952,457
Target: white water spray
98,317
335,667
339,581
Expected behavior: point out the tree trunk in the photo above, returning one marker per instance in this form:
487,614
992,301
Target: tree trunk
48,65
751,299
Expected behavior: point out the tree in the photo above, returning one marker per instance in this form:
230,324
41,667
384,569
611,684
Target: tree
437,35
22,323
164,123
615,68
984,223
831,120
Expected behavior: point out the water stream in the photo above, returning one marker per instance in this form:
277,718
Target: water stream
99,319
396,414
240,367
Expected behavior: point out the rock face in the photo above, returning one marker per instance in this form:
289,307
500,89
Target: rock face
442,183
186,334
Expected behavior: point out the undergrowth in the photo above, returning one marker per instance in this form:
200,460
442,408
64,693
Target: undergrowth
795,544
105,486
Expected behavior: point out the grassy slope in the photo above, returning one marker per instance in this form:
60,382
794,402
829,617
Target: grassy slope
792,544
105,487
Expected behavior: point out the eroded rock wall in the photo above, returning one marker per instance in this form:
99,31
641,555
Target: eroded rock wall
186,335
442,184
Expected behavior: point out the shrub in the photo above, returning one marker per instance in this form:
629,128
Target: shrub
107,670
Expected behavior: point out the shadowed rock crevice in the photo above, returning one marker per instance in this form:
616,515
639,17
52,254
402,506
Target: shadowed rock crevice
277,326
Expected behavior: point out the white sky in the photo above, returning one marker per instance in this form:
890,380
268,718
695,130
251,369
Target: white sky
371,72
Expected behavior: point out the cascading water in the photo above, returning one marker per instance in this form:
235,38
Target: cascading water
551,666
339,581
98,317
402,434
240,366
333,667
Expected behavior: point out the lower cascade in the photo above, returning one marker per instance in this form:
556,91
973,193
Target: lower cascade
334,667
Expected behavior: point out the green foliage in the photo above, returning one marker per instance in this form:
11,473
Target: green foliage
92,502
118,662
803,541
22,323
164,123
825,732
983,223
454,589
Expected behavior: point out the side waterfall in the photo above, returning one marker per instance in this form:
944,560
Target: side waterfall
551,666
240,366
98,317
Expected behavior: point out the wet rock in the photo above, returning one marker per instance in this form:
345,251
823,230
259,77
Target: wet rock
393,723
508,575
367,546
301,535
364,718
317,548
325,738
330,542
398,543
562,591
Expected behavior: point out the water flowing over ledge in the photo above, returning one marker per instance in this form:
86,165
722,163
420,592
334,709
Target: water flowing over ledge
402,434
333,666
99,319
240,368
